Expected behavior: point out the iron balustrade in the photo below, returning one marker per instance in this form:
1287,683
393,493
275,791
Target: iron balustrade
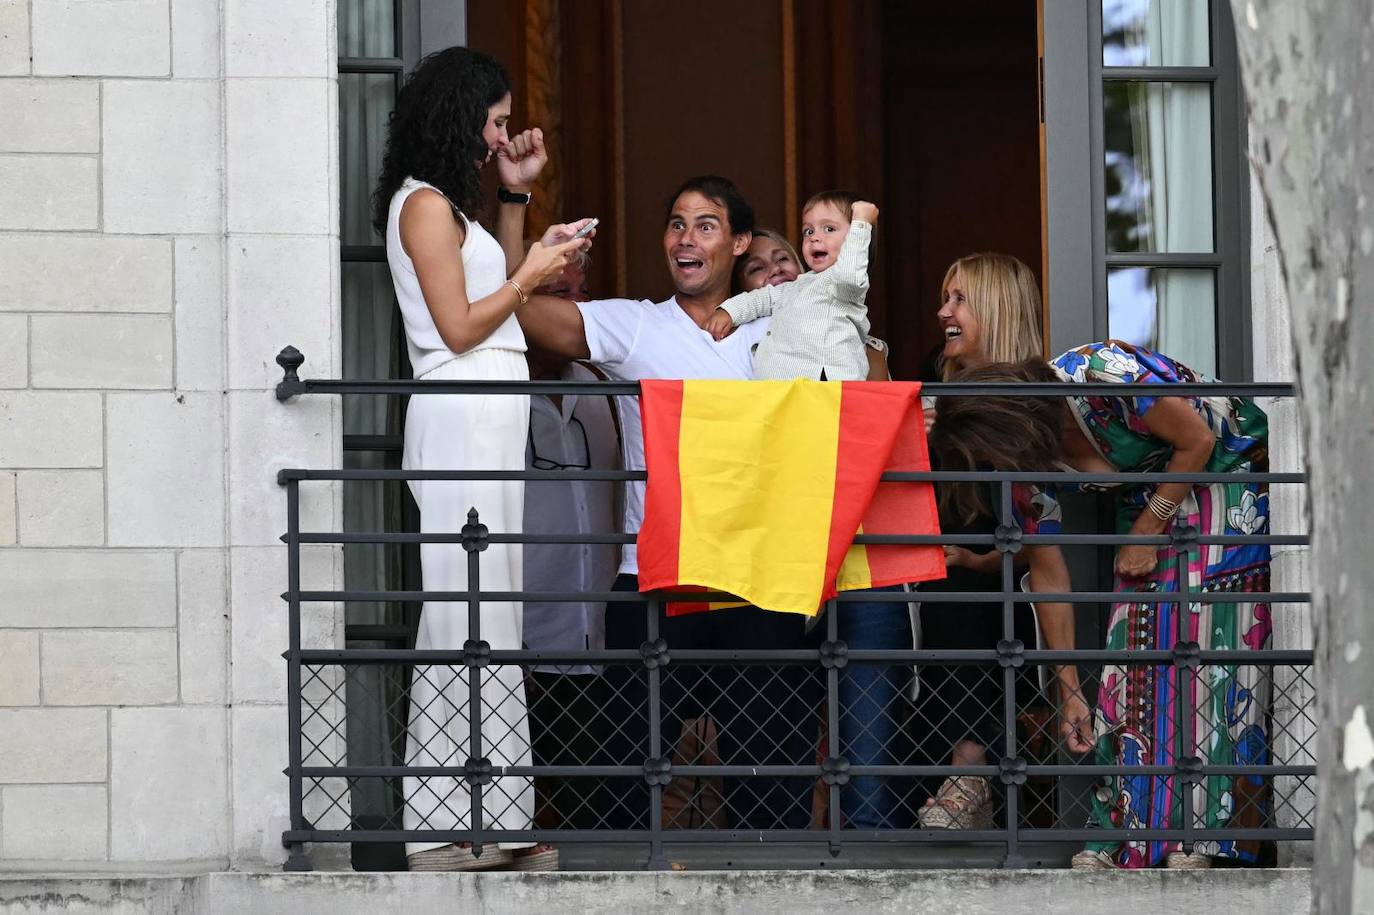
317,677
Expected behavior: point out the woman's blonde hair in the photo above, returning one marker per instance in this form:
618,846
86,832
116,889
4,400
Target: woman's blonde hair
1005,297
773,235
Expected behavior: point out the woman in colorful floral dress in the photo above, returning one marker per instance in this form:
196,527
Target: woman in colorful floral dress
1159,714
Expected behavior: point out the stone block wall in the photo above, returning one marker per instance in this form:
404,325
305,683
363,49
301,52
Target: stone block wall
168,221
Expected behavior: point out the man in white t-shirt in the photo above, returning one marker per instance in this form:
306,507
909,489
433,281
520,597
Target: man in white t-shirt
763,715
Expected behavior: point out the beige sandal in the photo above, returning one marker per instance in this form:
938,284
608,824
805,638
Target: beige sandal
1089,860
535,858
963,802
1185,861
455,857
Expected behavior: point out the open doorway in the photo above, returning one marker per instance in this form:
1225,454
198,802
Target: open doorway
931,108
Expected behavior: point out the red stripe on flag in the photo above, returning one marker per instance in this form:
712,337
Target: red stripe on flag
661,409
905,508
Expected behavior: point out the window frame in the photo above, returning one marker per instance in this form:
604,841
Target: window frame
1074,77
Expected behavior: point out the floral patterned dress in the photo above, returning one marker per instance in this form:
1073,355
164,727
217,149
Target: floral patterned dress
1157,714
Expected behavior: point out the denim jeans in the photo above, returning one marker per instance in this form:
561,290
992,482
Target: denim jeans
874,714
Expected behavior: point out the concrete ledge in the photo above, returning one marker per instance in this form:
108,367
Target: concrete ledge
950,892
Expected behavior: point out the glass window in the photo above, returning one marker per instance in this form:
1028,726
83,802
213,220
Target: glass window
367,28
1155,33
365,101
1157,140
1171,310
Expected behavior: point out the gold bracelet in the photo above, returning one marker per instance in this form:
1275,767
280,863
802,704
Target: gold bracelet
520,293
1162,508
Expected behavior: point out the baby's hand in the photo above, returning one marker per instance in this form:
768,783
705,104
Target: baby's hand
719,324
865,212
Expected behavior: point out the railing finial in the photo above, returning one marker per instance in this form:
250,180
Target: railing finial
290,359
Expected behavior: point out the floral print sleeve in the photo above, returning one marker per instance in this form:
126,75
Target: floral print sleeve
1113,361
1117,424
1035,509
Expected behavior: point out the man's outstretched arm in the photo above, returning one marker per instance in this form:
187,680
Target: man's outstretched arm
555,326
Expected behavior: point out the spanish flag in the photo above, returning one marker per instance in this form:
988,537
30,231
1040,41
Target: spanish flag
757,489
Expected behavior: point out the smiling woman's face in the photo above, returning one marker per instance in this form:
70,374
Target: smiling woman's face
959,323
767,264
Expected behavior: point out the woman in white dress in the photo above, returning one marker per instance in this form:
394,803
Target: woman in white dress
458,290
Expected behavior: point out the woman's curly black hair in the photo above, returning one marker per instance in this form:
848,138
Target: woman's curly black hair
435,132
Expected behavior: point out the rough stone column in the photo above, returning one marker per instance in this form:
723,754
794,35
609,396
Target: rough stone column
1307,75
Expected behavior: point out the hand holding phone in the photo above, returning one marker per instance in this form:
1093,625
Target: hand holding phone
587,229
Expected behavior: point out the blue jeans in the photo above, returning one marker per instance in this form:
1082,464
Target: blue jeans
874,715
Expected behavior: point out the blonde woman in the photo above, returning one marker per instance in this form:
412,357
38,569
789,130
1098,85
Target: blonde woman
989,312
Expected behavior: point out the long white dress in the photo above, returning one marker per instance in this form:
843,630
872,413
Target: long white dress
457,432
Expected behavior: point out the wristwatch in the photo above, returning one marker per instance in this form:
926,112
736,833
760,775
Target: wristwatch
508,196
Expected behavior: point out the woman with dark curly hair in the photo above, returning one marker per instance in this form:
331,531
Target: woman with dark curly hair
458,290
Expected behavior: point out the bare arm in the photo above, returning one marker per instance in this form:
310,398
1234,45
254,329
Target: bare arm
433,238
1173,420
1049,573
555,326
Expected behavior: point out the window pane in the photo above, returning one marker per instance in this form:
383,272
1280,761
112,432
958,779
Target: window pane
367,28
1170,310
365,102
1158,160
1155,33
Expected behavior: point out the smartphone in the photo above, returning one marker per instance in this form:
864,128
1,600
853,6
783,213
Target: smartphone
586,230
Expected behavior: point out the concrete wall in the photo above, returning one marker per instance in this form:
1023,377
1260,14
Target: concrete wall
874,892
168,221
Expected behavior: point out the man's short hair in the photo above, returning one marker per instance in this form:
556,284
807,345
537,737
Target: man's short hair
722,191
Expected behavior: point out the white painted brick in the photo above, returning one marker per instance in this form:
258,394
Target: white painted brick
261,803
9,513
61,508
85,273
18,667
14,351
280,180
49,429
52,745
203,625
168,784
110,668
196,38
269,38
102,351
264,437
101,38
54,822
14,37
162,156
259,632
280,293
200,332
97,588
48,192
165,472
50,115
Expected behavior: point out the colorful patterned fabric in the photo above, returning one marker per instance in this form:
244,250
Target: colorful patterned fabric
1155,715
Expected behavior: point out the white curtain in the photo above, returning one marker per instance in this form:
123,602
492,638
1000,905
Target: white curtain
1172,131
371,349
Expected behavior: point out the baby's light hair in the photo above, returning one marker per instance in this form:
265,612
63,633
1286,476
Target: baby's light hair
841,200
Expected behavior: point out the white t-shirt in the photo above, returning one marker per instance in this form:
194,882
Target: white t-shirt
484,271
632,340
580,435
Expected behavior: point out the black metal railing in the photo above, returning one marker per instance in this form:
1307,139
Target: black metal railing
681,748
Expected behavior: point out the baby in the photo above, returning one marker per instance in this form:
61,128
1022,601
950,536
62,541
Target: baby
820,321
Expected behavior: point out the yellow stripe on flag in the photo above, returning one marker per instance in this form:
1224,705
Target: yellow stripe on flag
758,523
855,573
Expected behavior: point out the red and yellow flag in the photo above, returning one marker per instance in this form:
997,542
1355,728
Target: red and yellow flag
757,489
